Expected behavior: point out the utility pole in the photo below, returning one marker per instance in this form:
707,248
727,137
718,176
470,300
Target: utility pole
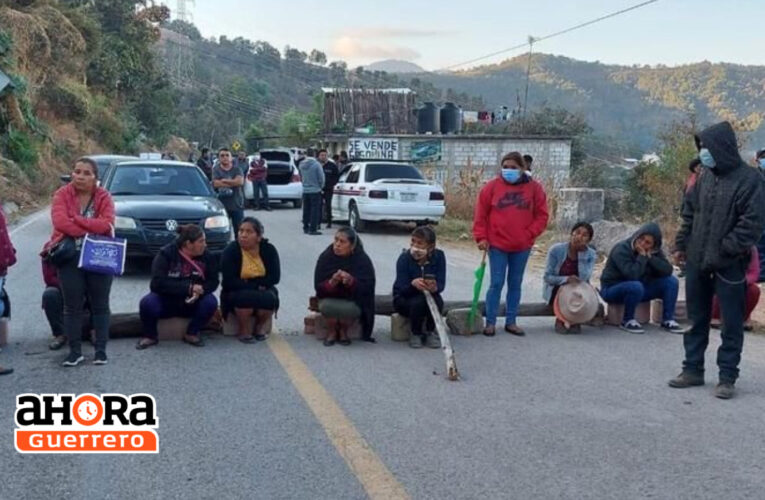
528,73
182,12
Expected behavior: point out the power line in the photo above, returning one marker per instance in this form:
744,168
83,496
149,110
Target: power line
551,35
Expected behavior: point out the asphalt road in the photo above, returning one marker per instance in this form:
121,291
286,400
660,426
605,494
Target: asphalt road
545,416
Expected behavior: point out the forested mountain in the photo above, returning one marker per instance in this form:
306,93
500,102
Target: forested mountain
633,102
395,66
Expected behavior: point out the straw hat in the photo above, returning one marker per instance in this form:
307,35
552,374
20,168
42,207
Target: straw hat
576,303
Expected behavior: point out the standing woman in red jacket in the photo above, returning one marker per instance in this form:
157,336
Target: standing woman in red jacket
79,208
7,259
511,212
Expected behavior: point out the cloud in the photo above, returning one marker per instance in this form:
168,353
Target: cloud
383,32
348,47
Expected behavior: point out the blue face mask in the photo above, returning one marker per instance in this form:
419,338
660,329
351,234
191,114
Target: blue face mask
761,163
511,175
706,158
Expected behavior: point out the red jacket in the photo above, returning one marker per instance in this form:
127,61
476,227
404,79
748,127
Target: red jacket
67,220
510,216
7,252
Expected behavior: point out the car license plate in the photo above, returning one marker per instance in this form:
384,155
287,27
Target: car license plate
408,196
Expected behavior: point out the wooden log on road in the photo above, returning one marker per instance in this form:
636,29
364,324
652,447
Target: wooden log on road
443,335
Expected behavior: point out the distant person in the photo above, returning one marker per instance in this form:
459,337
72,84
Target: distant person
241,162
228,180
312,177
723,218
184,277
251,270
80,208
205,163
336,159
570,262
759,159
331,177
510,214
258,176
344,161
7,259
344,280
529,160
695,167
419,268
638,271
752,292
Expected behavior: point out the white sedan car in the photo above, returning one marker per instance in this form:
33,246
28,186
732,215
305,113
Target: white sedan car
283,178
373,191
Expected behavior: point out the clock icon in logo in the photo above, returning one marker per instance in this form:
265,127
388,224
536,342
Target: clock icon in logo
88,410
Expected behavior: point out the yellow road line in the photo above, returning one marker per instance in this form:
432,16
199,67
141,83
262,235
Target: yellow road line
371,472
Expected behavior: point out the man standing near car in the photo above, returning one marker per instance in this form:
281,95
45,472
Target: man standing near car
331,176
258,176
723,217
205,163
228,180
242,163
312,176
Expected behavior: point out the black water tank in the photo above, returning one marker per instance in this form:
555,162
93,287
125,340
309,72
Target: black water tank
451,119
428,119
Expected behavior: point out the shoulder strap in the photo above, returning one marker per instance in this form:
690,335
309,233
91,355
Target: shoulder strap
193,264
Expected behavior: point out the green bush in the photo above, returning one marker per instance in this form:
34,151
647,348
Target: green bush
20,148
68,100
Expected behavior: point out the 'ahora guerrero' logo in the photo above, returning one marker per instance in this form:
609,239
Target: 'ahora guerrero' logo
63,423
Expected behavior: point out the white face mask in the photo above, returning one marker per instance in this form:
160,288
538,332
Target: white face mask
418,253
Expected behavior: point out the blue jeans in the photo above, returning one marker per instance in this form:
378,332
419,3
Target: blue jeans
236,217
154,307
503,266
260,190
632,293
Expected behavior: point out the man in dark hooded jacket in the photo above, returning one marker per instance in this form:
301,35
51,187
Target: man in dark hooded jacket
723,217
638,271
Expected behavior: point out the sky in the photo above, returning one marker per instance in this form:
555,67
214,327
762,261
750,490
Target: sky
439,34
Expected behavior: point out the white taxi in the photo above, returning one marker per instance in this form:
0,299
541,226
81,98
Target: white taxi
374,191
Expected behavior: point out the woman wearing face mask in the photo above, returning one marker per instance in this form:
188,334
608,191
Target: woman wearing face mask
422,267
511,212
80,208
344,280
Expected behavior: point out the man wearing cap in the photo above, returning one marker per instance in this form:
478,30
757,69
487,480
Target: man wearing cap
723,216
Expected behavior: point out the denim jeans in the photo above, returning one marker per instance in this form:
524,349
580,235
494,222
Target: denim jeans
154,307
311,212
260,190
632,293
730,287
505,266
326,198
236,217
77,284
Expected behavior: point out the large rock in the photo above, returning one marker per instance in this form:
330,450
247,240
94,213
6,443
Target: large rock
579,204
609,233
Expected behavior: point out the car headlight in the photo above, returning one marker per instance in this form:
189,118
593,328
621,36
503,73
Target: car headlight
217,222
124,222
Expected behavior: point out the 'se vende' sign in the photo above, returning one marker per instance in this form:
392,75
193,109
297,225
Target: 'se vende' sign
373,148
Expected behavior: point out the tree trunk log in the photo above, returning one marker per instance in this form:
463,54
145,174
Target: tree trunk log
443,335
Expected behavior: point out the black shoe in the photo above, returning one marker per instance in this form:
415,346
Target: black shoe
5,371
725,390
260,337
687,379
344,342
315,233
268,209
73,359
100,358
329,343
57,343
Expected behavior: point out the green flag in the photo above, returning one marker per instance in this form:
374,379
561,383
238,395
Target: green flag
479,273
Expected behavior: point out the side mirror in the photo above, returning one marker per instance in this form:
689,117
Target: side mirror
65,179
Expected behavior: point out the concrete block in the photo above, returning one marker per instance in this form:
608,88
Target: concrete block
579,204
615,313
657,308
172,328
400,328
316,324
231,327
457,321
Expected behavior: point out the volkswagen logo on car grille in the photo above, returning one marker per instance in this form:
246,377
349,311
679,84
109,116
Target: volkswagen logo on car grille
171,225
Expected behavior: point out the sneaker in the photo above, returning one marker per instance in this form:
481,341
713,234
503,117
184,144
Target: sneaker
560,327
632,326
687,379
73,359
433,341
725,390
415,341
100,358
673,326
315,233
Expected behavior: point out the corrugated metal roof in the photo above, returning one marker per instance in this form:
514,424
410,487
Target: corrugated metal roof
5,82
330,90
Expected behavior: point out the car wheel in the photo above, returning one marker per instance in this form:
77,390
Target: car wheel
297,203
355,220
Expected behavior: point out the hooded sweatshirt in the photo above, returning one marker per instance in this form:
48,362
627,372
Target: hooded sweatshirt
510,216
625,264
724,213
312,175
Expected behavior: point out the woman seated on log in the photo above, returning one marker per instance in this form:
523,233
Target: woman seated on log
184,276
251,270
421,268
570,262
345,286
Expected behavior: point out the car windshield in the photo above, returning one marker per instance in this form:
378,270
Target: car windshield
275,156
392,171
158,180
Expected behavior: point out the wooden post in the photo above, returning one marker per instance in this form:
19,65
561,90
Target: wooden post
446,345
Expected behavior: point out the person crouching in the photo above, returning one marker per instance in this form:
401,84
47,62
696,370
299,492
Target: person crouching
184,276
